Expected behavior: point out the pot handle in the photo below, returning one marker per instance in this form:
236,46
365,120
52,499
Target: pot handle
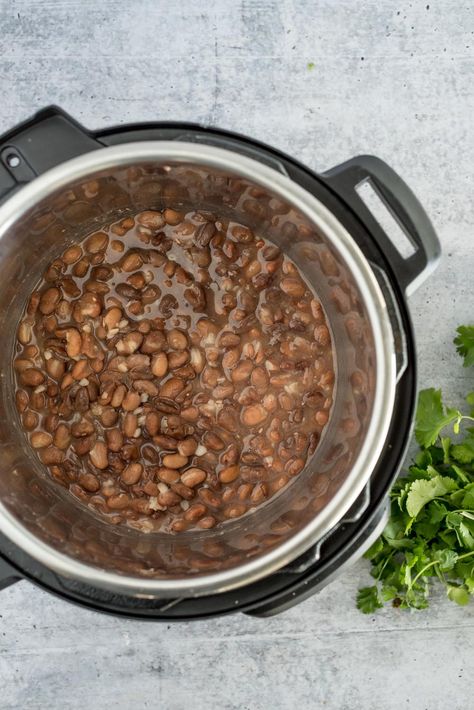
404,207
50,137
8,574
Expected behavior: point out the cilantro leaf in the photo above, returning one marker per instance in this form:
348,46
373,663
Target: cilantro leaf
465,343
460,595
460,473
470,401
469,582
431,417
446,444
389,592
422,460
374,549
368,600
437,511
446,559
467,500
422,492
464,452
465,533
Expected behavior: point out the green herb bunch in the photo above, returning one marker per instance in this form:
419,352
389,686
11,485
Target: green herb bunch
430,533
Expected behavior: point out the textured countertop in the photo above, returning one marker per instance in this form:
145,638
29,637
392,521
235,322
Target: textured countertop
323,81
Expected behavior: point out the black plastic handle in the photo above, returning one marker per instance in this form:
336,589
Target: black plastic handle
404,207
8,574
50,137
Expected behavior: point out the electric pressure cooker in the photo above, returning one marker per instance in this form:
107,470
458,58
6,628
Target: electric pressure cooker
299,540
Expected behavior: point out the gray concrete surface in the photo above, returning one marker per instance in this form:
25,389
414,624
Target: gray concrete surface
390,78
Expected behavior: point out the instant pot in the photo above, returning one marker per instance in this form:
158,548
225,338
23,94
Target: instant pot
59,181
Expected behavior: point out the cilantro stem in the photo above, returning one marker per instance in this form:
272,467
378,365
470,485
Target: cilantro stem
384,565
441,576
420,573
432,564
466,554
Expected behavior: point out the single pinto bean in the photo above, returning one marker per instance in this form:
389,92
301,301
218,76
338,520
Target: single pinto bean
207,522
293,287
147,387
259,378
32,377
62,437
29,420
194,512
131,401
254,415
51,455
235,510
172,217
187,447
242,371
49,300
114,439
294,466
231,358
213,441
227,475
168,498
129,425
73,342
159,365
152,422
227,339
227,419
177,359
131,262
190,414
98,455
72,254
153,342
21,399
168,475
166,442
231,455
242,234
210,498
171,388
193,477
96,242
89,482
132,473
151,219
174,460
183,491
24,332
177,339
118,502
259,493
40,439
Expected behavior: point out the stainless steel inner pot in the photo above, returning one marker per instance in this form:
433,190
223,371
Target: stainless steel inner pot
63,205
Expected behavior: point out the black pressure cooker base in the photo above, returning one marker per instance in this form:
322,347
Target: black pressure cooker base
52,137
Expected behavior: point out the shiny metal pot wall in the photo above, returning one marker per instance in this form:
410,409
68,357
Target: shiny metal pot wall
56,210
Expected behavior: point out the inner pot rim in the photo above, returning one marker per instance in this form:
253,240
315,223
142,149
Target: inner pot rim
377,312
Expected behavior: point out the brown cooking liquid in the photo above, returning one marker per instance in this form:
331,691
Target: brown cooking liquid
174,371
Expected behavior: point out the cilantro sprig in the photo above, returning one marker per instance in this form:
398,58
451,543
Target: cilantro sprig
430,535
464,343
